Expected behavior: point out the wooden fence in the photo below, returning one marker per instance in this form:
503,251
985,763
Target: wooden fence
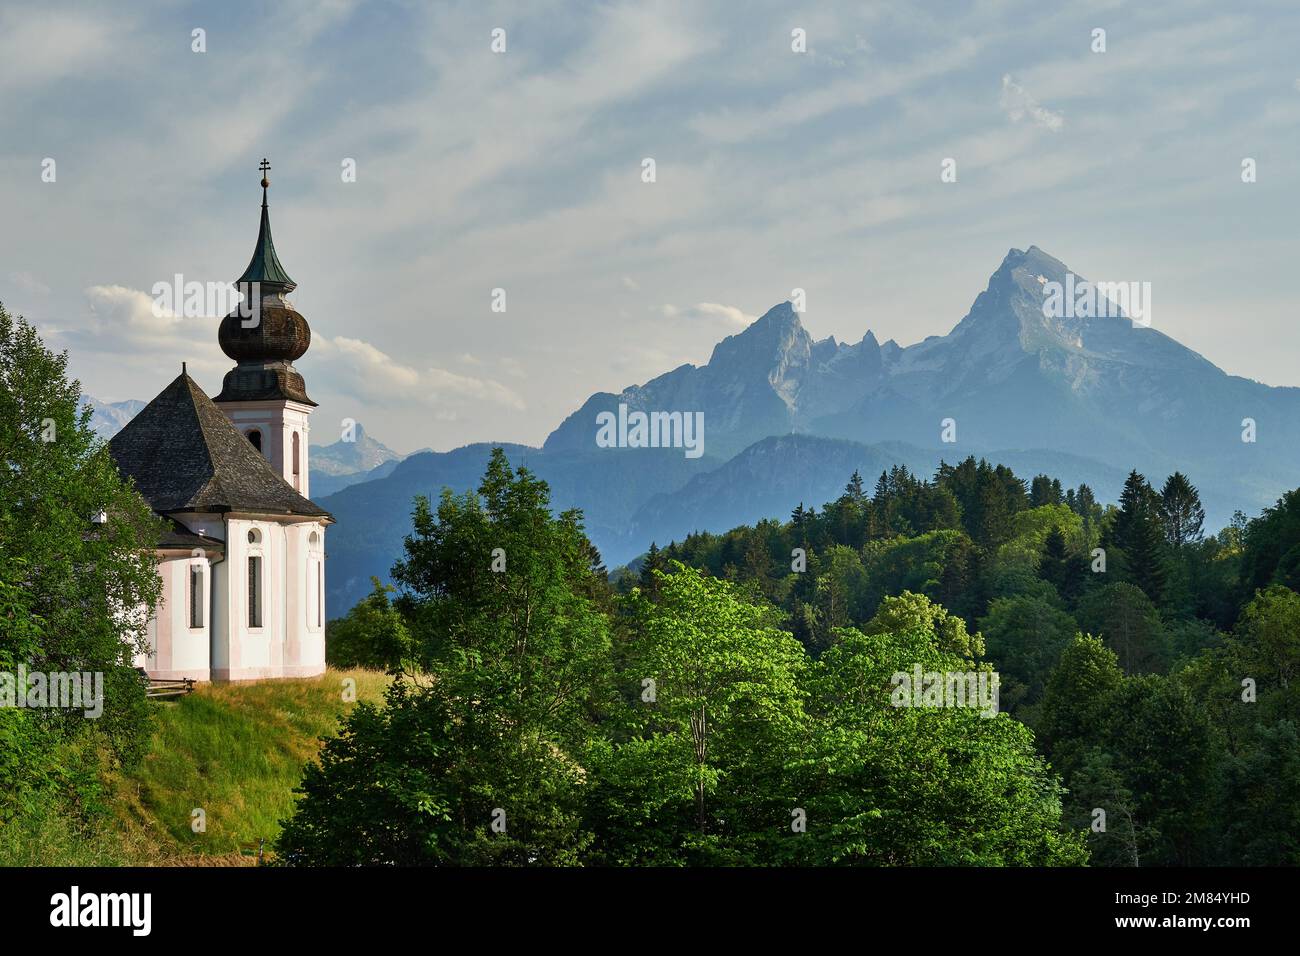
170,688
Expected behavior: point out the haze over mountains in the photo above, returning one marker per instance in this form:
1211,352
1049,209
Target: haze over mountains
358,457
788,419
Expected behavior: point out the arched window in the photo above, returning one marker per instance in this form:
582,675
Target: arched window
255,436
196,595
297,484
254,581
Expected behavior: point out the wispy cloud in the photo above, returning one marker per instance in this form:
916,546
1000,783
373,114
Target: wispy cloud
1019,105
709,310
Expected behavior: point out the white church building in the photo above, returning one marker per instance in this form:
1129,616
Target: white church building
243,559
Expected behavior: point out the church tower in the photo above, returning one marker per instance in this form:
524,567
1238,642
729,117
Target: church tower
263,395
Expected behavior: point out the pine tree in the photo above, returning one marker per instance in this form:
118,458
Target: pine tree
1059,568
1180,511
854,489
654,561
1138,532
1044,491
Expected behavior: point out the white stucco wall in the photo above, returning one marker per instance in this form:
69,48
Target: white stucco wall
277,421
288,642
176,649
291,639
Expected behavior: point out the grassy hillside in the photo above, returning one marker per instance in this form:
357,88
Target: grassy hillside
236,751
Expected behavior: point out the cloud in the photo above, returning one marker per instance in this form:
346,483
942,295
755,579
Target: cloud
29,283
709,310
477,389
124,321
358,369
1018,105
37,47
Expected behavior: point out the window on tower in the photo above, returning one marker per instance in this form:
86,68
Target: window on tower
255,436
297,485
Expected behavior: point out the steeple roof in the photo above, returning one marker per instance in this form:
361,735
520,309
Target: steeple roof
186,456
265,265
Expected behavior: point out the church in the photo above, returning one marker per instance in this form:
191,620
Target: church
243,558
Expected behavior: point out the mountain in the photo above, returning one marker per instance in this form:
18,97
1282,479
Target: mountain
1080,396
109,418
347,462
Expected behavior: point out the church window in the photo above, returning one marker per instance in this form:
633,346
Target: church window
196,595
255,591
255,436
296,482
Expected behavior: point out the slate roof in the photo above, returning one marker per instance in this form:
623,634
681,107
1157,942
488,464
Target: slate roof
179,537
185,455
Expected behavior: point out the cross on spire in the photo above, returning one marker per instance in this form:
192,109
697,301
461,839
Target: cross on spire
265,266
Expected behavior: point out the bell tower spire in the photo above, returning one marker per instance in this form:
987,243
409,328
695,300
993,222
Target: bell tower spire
264,395
265,268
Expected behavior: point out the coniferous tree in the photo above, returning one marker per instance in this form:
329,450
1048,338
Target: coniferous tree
854,488
1139,533
1181,512
1059,568
654,561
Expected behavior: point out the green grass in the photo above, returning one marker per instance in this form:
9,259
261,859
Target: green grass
236,751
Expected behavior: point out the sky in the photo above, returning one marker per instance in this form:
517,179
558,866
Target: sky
524,170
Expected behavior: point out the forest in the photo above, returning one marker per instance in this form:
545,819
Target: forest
727,700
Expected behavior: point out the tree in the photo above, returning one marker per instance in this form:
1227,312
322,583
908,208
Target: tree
840,581
477,752
855,489
1097,786
1075,701
916,612
1130,624
1271,546
1266,647
919,785
1260,806
1139,535
700,755
1045,491
654,561
1025,637
1060,568
1181,514
372,634
75,595
1163,749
